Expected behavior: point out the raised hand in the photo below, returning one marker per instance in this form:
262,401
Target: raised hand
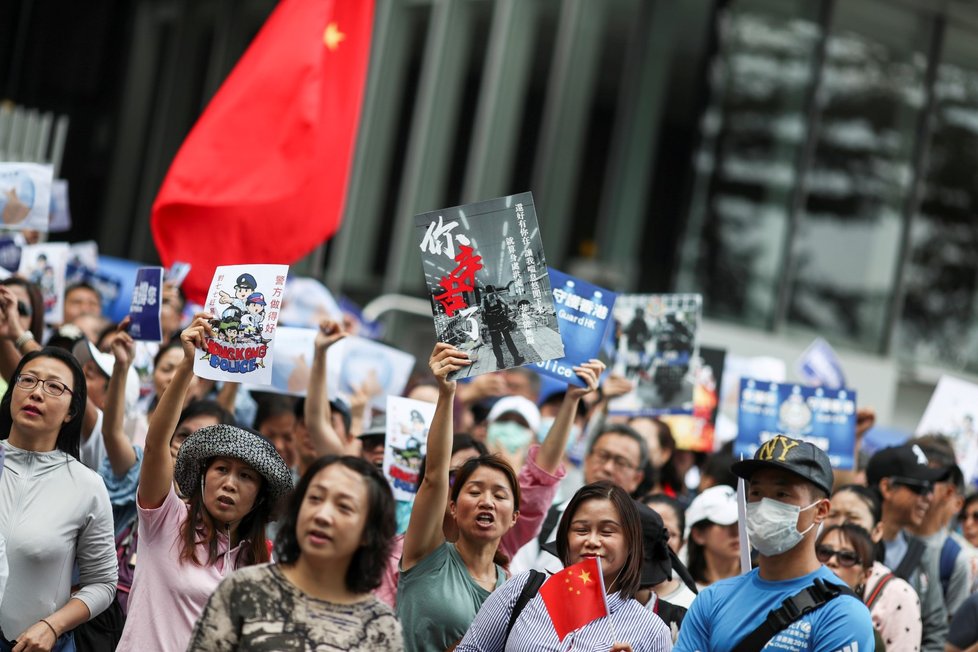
123,347
590,372
445,359
192,337
330,332
10,327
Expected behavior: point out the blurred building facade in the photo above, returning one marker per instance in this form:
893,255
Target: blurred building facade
809,166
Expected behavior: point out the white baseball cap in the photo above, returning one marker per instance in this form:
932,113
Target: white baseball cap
717,505
521,406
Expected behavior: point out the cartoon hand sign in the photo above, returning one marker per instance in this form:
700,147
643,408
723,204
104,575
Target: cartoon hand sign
14,211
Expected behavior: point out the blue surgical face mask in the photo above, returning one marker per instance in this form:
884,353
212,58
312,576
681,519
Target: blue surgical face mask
509,435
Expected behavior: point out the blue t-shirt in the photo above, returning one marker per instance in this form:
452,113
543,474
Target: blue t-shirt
726,612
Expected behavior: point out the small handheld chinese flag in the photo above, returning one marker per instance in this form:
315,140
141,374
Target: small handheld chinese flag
262,176
575,596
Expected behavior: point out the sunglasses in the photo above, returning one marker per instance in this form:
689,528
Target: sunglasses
847,558
919,487
969,516
23,309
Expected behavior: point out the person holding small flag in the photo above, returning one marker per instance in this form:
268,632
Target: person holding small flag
590,604
790,601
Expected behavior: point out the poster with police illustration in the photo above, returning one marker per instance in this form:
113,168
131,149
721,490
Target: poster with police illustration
146,305
45,264
245,302
404,443
25,195
657,346
822,416
488,284
584,312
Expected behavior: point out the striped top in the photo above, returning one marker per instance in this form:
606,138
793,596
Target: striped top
629,622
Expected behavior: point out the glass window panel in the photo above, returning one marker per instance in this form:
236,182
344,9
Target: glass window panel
938,324
847,245
752,130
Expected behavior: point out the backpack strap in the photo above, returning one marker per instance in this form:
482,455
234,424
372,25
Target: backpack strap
530,589
911,559
878,589
949,555
549,523
807,600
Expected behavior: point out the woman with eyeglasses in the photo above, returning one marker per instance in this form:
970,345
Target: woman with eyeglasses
54,512
848,551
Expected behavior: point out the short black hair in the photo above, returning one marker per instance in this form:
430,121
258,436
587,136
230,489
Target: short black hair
271,406
651,500
206,407
460,442
626,431
83,285
370,560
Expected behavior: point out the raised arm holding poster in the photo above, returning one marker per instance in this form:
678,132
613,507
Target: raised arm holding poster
657,345
358,364
487,280
824,417
245,301
583,313
405,443
147,302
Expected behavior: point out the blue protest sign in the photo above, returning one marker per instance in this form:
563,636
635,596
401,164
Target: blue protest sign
147,300
583,314
824,417
115,280
819,365
9,254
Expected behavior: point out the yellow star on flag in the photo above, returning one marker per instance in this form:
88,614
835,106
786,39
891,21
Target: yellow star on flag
585,576
333,36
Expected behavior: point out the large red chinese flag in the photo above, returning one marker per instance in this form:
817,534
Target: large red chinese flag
261,177
575,596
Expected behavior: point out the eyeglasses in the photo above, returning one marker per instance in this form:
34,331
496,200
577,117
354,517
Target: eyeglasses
919,487
52,387
23,309
621,464
847,558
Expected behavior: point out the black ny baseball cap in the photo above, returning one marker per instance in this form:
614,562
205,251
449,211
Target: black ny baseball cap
907,461
793,455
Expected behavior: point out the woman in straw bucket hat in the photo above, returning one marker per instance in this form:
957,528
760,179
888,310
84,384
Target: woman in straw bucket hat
231,478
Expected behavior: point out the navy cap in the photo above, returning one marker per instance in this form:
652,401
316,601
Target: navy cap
792,455
907,461
246,281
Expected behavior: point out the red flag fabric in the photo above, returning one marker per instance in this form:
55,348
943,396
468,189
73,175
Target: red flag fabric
261,177
575,596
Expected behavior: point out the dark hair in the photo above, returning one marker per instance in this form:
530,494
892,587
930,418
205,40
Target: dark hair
459,443
206,407
82,285
718,466
869,497
968,501
271,406
69,436
629,578
857,537
696,554
626,431
172,343
671,503
493,462
370,560
37,304
201,528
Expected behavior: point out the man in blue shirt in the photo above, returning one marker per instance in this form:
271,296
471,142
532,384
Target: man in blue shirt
789,484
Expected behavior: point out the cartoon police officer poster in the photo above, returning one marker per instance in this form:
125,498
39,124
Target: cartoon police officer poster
404,444
245,302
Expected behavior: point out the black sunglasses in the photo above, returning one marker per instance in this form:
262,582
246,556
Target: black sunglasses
23,309
847,558
919,487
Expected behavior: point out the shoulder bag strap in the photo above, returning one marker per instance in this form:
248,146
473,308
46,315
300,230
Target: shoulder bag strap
530,589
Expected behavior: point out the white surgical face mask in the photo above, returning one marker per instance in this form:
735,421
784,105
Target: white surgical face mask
773,526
